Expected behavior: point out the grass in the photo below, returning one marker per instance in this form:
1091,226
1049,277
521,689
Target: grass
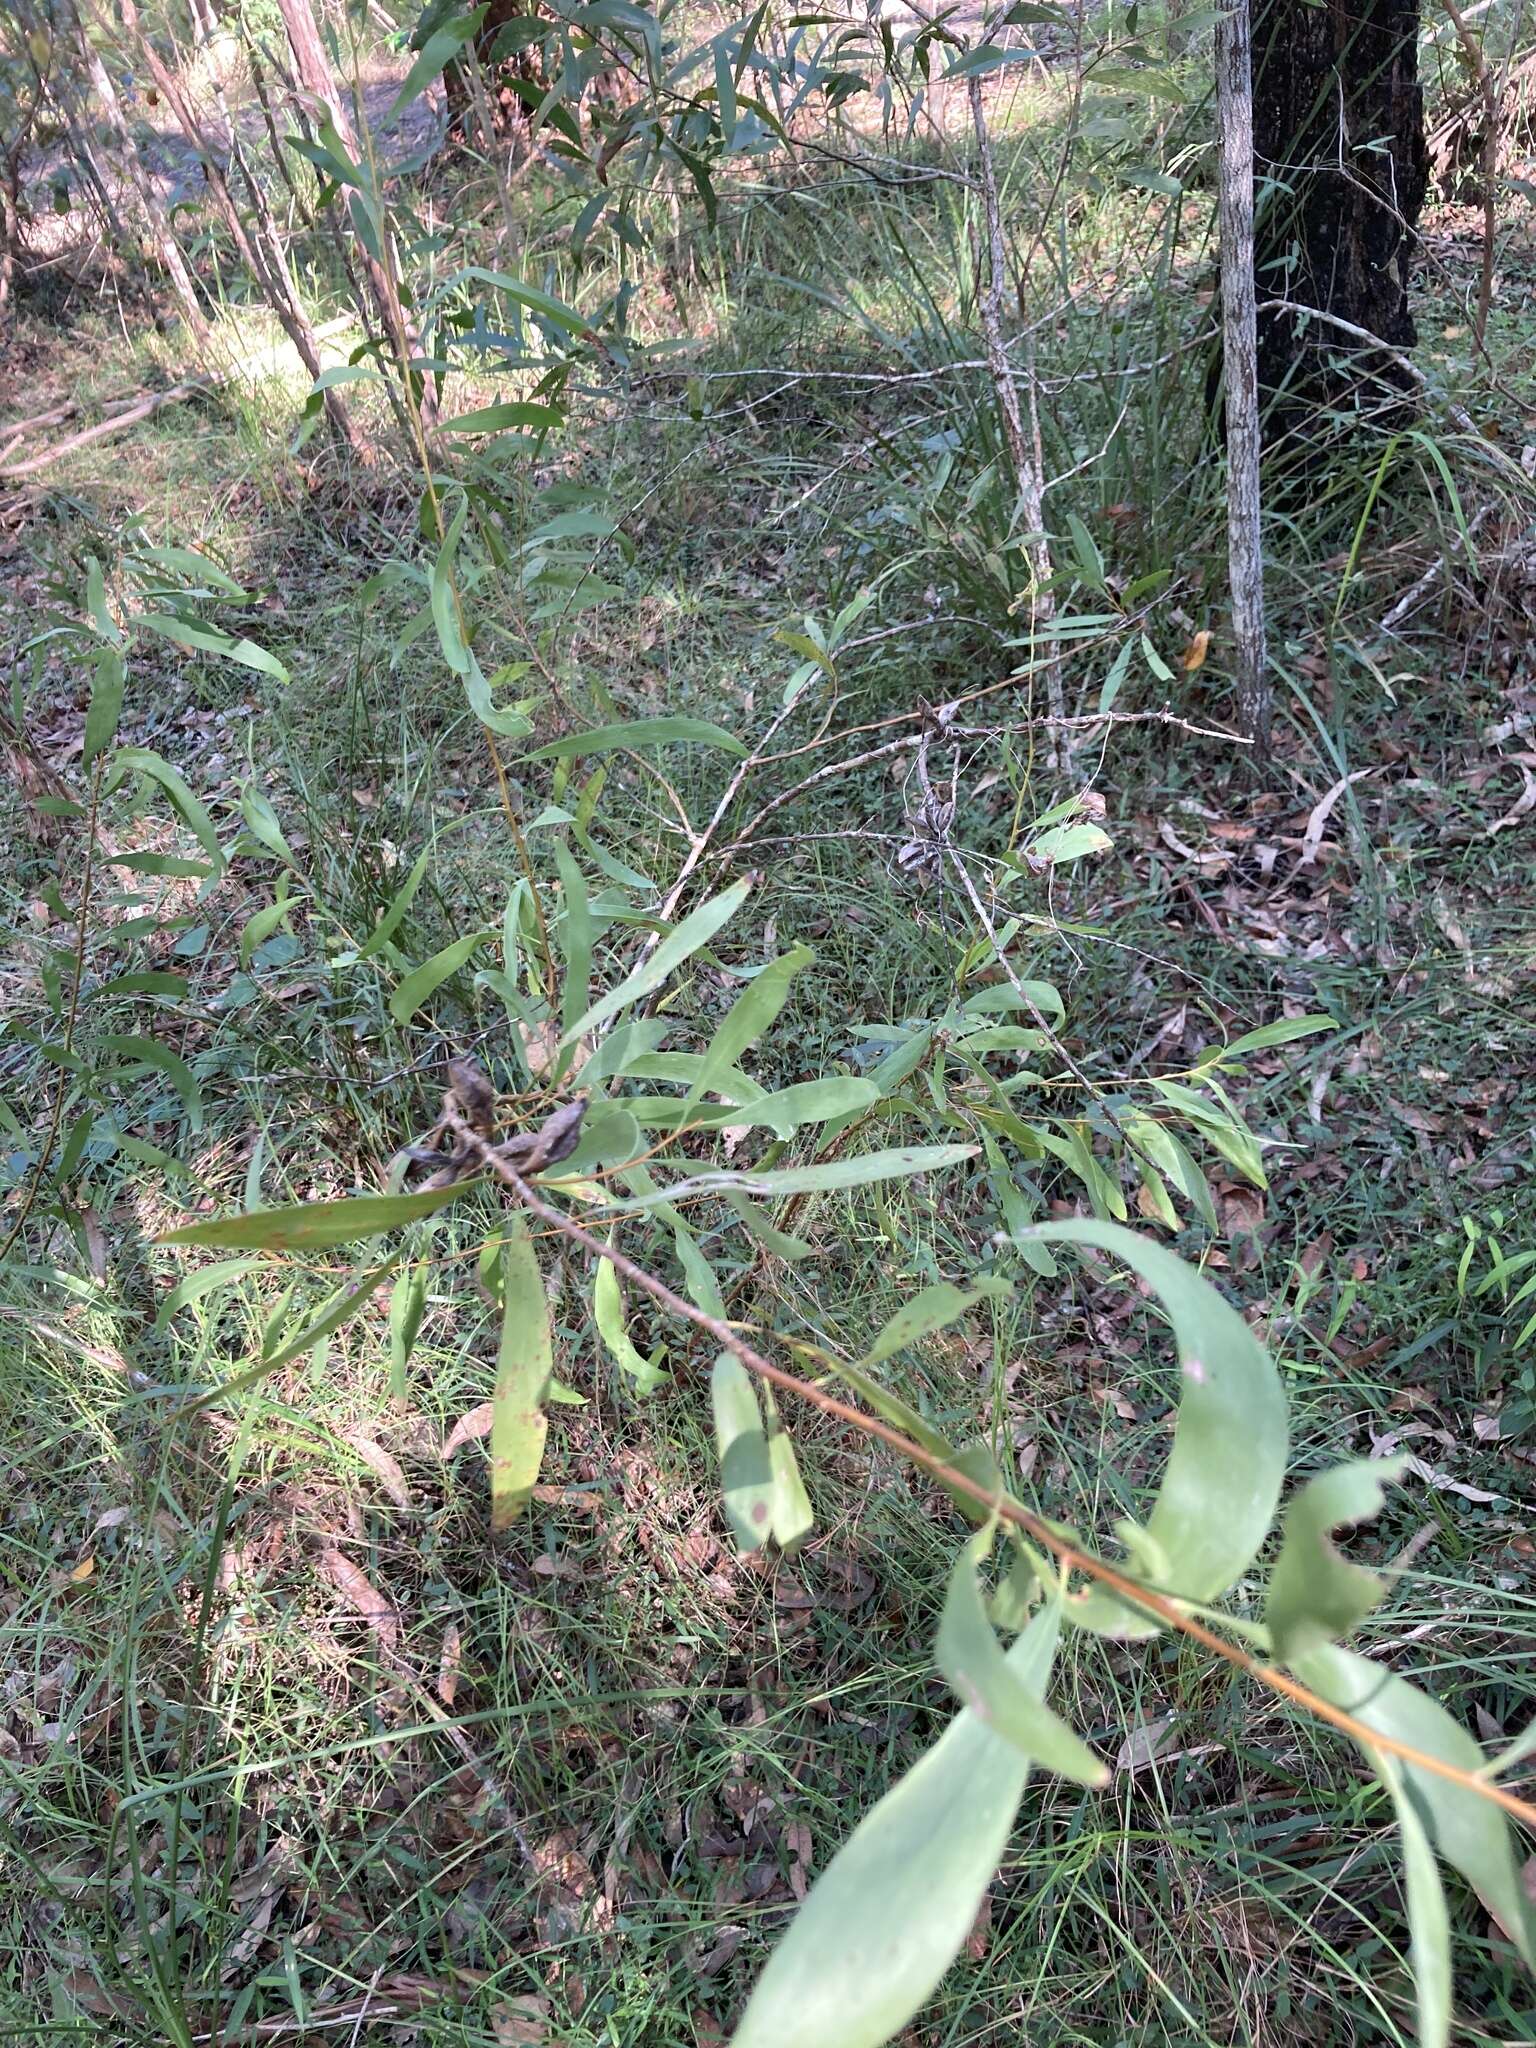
567,1785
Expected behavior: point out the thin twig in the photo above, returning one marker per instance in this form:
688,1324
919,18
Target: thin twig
1022,452
1045,1533
1477,64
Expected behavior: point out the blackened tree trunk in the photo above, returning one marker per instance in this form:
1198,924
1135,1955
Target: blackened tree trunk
1342,168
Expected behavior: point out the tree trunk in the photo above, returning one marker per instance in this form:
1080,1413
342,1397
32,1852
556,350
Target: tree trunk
1339,144
1245,546
262,254
115,134
312,66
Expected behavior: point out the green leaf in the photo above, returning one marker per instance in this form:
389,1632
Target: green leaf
1429,1926
400,903
511,412
575,936
421,981
1225,1469
311,1226
263,823
747,1019
934,1309
174,1068
641,732
746,1474
141,761
890,1913
407,1304
1068,842
972,1662
210,640
518,1422
831,1175
195,1285
790,1505
343,1305
1316,1595
106,704
609,1137
696,930
608,1309
1281,1032
437,52
809,1102
1469,1831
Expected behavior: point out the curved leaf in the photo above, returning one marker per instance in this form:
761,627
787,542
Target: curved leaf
608,1309
1469,1831
1315,1594
829,1176
747,1019
933,1309
1222,1483
888,1916
982,1679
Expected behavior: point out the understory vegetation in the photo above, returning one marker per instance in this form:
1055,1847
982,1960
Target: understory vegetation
630,672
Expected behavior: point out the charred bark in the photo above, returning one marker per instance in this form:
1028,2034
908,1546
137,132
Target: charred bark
1343,168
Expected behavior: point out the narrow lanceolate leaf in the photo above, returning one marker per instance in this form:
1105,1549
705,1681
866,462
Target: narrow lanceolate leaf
888,1916
641,732
1315,1594
210,640
344,1304
1429,1926
106,704
608,1308
518,1422
831,1175
174,1068
981,1677
746,1476
407,1304
421,981
747,1019
203,1281
696,930
311,1226
1469,1831
935,1308
1222,1482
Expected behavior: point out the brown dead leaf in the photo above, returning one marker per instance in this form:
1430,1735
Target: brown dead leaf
521,2022
384,1469
726,1943
448,1663
1143,1744
1194,654
981,1927
359,1592
468,1428
96,1243
79,1573
797,1842
541,1043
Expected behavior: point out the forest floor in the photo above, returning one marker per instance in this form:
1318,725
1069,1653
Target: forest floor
565,1787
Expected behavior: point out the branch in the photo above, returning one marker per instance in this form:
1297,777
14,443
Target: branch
1045,1533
